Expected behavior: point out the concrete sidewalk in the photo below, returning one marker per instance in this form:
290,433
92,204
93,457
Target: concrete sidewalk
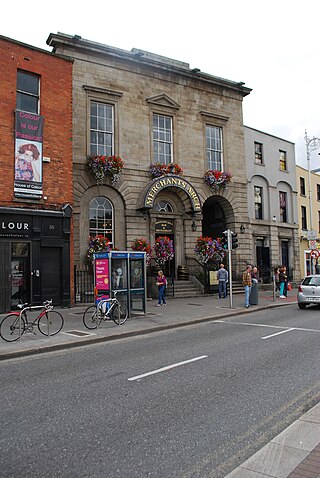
294,453
177,313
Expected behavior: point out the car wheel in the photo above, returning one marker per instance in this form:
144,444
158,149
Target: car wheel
302,306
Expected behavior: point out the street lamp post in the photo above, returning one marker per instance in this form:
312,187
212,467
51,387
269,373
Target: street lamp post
311,145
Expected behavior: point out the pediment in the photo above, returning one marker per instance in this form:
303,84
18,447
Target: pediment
163,100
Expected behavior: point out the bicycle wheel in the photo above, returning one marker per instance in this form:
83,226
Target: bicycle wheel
52,320
91,317
119,313
10,327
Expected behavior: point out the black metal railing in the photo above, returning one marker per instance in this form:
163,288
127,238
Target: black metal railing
83,284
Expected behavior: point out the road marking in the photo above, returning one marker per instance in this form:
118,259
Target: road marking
163,369
278,333
304,329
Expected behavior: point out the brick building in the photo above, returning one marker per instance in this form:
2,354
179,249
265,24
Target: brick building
148,109
36,196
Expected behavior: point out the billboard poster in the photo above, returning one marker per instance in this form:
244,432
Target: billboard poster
102,283
28,155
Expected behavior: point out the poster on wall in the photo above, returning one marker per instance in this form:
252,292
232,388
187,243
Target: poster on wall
101,277
28,155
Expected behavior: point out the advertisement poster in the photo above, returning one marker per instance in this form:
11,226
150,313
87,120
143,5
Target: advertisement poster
28,155
102,284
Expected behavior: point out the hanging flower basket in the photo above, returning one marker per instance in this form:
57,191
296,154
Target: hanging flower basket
208,249
157,170
142,245
163,250
97,244
217,179
103,167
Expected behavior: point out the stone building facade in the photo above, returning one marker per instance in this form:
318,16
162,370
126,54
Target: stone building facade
272,203
308,187
148,109
36,193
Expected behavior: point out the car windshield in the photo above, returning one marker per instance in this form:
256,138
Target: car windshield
311,281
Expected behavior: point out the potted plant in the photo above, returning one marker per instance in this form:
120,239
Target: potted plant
163,250
105,166
217,179
157,170
208,249
97,244
144,246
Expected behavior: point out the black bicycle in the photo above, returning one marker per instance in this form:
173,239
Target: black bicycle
106,309
48,321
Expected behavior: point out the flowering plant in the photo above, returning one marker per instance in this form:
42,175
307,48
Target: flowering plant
97,244
163,250
207,249
217,179
157,170
144,246
104,166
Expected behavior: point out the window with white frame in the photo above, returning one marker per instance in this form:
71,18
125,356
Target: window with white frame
101,129
258,153
163,206
258,211
162,139
214,147
101,218
283,206
28,92
283,160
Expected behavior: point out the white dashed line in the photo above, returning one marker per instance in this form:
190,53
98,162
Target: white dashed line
163,369
278,333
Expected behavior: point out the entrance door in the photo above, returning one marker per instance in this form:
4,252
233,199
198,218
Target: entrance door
20,273
51,274
263,263
285,255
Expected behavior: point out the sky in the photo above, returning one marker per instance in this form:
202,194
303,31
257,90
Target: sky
272,46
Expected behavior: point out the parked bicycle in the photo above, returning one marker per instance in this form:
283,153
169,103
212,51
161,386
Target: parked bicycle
106,309
48,321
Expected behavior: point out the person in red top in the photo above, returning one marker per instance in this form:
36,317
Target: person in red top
162,284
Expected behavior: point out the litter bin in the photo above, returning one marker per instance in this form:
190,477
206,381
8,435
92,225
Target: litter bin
253,298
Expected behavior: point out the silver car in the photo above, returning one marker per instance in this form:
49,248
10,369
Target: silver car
309,291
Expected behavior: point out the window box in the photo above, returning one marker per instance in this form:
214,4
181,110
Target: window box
103,167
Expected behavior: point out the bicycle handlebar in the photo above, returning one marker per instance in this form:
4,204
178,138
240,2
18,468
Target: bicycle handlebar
46,304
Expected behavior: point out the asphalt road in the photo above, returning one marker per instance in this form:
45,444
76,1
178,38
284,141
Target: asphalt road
191,402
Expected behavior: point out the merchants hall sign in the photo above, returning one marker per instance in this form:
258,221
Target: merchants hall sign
171,181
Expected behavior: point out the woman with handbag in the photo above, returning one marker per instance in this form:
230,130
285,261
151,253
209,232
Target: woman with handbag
283,280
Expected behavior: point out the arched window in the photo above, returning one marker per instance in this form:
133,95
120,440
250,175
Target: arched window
163,206
101,218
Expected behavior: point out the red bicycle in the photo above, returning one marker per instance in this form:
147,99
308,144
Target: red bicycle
48,321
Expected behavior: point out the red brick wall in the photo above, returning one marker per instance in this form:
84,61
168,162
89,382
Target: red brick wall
56,108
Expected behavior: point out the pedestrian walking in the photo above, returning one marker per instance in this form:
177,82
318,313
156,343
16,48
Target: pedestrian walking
223,277
283,281
162,284
247,283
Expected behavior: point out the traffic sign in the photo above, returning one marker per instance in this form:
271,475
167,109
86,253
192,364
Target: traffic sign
314,254
313,244
312,235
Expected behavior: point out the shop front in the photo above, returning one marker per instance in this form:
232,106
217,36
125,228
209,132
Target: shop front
34,256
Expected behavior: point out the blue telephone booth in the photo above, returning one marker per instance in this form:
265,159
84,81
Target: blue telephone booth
124,273
137,270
